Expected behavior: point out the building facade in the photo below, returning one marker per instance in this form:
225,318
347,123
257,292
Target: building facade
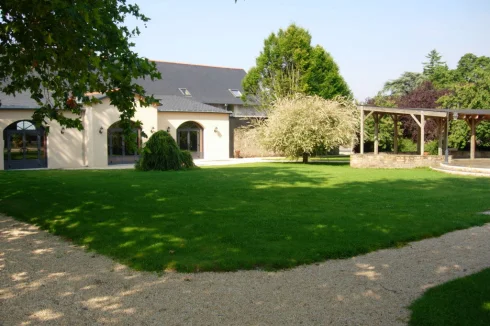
196,103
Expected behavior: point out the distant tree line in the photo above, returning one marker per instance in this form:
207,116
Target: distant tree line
437,86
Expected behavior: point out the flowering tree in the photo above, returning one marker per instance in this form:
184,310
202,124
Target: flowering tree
298,125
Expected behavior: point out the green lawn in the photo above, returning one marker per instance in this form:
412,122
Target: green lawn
465,301
270,215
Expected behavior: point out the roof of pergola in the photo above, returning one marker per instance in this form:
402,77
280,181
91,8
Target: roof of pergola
459,113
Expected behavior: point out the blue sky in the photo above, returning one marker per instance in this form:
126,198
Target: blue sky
372,41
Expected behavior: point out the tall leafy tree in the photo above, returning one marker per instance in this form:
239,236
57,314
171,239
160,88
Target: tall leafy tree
288,64
471,90
442,77
404,84
425,96
325,79
59,51
434,61
469,95
472,68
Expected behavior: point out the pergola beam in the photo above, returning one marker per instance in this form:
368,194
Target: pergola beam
427,112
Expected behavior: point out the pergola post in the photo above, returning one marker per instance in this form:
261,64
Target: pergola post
376,131
422,133
440,134
395,132
473,124
418,136
361,141
473,139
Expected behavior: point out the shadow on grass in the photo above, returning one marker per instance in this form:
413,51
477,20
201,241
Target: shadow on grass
464,301
265,216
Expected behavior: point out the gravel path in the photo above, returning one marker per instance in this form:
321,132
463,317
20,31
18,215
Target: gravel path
47,281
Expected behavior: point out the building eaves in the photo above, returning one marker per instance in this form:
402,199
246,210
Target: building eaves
173,103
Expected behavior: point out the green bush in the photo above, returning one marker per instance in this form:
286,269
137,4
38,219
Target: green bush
187,160
432,147
406,145
161,153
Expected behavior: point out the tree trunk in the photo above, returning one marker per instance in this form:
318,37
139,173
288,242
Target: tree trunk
305,157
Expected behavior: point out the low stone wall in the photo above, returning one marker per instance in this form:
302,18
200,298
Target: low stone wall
394,161
466,154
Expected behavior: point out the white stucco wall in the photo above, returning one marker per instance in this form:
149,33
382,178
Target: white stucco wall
215,144
63,150
76,149
104,115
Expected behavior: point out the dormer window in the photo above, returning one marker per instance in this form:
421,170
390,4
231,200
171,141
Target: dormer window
235,92
185,91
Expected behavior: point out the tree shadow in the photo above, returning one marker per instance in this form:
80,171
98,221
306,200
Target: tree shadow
46,281
262,216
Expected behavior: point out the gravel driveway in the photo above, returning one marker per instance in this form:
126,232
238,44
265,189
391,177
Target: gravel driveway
47,281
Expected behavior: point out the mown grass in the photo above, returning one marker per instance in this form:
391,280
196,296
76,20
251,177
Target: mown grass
267,216
465,301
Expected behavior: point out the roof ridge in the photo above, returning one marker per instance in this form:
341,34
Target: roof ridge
195,64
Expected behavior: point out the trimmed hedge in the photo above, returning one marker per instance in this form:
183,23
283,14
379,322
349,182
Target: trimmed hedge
161,153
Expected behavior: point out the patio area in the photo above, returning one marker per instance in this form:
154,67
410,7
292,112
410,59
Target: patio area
483,163
475,167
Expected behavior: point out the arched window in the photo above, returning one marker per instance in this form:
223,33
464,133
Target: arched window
190,138
24,146
120,148
22,125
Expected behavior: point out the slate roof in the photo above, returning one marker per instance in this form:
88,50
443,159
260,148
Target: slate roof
173,103
206,84
20,101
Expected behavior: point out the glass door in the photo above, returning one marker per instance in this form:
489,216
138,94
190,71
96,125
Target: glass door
119,150
190,140
25,150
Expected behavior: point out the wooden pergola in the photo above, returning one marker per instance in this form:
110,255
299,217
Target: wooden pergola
420,116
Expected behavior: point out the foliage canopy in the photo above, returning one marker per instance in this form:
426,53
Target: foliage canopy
466,87
299,125
404,84
289,64
60,51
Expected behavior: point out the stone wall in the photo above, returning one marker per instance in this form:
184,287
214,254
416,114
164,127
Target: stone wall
394,161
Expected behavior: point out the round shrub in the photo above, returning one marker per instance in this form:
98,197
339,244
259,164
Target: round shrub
161,153
187,160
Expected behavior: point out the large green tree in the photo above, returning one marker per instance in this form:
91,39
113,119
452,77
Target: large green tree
58,51
405,84
289,64
469,88
434,61
324,78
